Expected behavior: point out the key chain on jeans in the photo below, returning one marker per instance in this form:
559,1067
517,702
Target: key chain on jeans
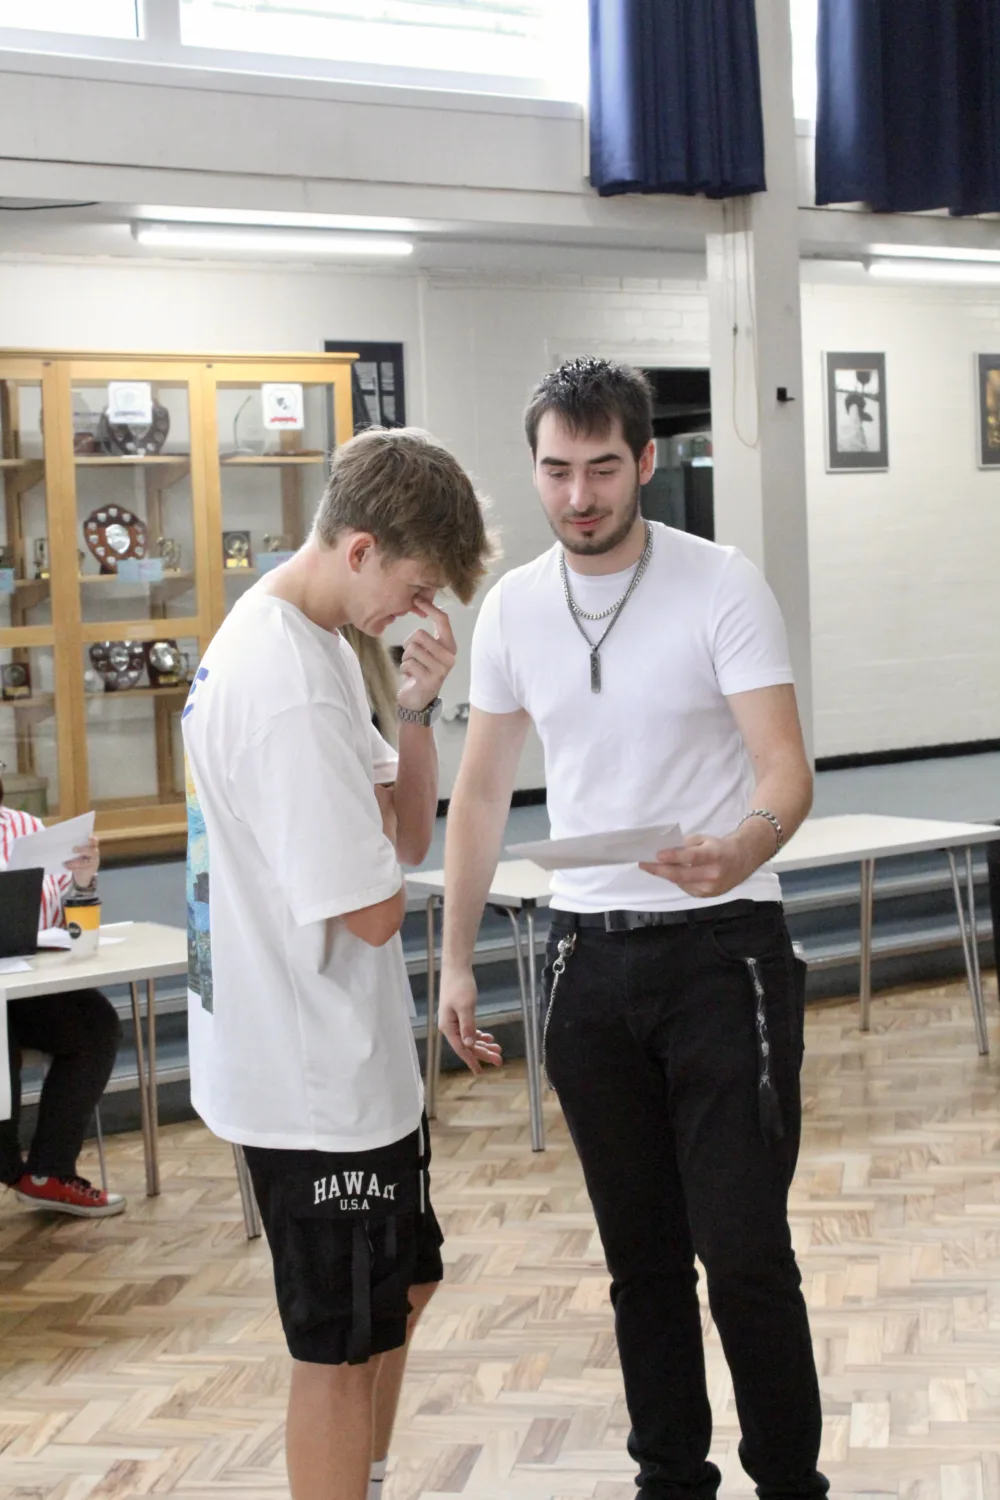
566,946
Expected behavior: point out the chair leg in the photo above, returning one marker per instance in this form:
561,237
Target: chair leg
251,1216
100,1147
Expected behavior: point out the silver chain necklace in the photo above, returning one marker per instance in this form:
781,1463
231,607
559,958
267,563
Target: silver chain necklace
578,615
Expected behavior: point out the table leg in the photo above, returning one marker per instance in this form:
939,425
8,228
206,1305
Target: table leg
432,1064
143,1089
970,945
251,1213
154,1100
867,920
529,1017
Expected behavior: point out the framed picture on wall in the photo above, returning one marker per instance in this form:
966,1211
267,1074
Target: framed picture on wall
989,410
857,436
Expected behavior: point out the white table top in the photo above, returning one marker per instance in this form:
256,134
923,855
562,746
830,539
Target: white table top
838,840
143,950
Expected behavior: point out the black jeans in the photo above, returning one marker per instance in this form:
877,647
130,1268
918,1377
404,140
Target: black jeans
80,1032
677,1067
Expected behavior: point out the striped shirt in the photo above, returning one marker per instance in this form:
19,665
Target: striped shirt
14,825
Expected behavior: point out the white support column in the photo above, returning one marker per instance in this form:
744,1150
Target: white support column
756,348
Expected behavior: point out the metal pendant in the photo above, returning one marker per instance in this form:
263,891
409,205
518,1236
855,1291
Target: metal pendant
595,671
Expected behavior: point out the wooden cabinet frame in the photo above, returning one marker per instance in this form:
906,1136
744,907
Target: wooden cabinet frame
139,826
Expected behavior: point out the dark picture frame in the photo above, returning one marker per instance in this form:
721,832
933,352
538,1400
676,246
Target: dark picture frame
378,382
857,429
988,403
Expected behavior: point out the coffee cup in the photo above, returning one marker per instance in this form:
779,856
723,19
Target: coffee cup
82,913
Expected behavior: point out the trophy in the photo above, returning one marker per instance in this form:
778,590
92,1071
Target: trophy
41,555
119,664
276,543
236,549
7,556
15,681
114,533
119,438
170,551
165,663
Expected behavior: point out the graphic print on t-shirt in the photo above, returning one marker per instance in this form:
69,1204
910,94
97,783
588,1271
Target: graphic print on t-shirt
199,927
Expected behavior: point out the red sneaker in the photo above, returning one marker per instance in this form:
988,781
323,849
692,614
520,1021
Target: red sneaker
69,1195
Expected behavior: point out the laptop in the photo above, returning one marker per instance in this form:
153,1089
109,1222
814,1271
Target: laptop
20,910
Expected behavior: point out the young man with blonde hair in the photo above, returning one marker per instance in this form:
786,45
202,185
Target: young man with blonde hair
299,1008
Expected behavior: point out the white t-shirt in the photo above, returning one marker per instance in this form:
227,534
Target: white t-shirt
299,1032
659,743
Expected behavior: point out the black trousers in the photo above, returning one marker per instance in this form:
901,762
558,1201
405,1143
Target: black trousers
676,1062
80,1031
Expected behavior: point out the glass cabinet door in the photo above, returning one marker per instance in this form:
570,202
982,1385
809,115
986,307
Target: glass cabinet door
25,598
134,500
29,750
134,693
274,440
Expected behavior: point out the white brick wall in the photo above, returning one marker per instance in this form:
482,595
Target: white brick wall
905,566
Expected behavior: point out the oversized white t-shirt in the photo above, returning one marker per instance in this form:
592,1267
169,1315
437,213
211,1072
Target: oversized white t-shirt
659,743
299,1032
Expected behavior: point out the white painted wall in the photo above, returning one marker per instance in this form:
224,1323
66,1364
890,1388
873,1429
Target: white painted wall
906,624
474,347
905,565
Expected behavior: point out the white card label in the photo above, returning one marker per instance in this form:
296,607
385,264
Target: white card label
283,407
130,402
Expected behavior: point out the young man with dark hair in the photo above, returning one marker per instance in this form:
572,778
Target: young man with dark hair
655,668
299,1006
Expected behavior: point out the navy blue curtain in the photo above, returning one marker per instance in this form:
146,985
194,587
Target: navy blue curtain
675,97
909,104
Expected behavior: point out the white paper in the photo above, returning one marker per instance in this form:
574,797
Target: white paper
628,846
14,966
51,847
109,942
130,401
54,937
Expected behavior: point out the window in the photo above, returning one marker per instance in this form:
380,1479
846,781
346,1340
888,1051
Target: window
804,23
117,18
502,38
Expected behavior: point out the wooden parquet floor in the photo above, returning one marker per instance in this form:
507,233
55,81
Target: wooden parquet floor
142,1356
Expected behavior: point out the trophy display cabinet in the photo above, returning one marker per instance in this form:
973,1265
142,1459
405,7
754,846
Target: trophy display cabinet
142,495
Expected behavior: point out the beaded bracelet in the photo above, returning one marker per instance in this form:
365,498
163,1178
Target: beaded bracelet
762,812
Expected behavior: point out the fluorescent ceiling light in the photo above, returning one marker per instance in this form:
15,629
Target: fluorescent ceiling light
934,252
953,272
267,241
265,218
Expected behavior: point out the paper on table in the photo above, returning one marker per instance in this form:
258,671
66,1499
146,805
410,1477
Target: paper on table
627,846
51,847
14,966
54,937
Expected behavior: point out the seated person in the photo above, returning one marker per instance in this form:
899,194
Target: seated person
80,1032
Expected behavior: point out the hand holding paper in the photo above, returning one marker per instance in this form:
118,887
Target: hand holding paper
51,849
628,846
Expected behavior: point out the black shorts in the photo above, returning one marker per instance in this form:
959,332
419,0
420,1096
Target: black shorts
350,1233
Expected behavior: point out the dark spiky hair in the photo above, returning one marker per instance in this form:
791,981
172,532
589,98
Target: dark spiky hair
588,395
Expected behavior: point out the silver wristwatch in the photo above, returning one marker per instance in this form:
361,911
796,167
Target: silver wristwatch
425,716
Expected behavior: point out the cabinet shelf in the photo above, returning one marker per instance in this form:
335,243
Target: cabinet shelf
272,460
180,691
22,463
120,460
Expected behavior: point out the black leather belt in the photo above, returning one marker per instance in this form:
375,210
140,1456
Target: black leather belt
630,921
